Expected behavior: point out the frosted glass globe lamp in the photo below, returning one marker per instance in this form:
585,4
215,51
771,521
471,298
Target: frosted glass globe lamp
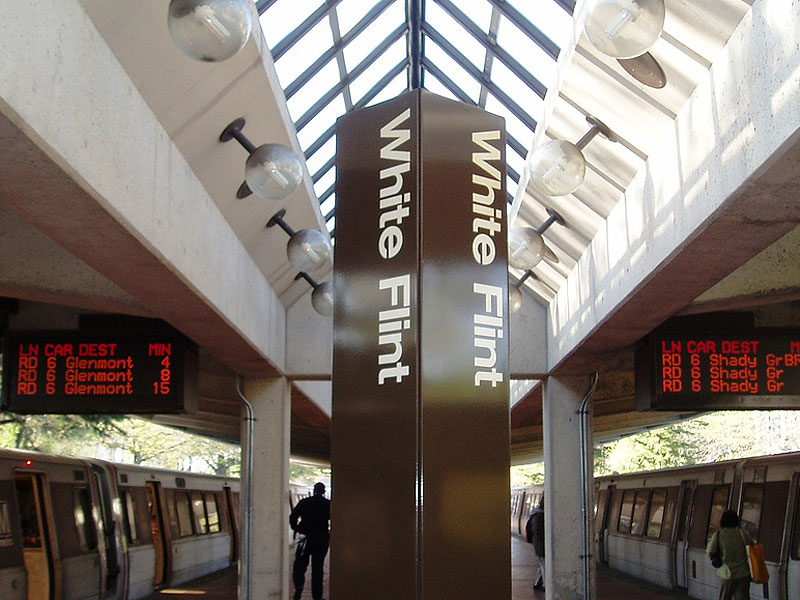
322,296
525,248
307,249
515,291
272,171
557,168
624,28
514,297
210,30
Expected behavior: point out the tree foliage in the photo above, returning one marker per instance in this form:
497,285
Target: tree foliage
708,438
711,437
122,439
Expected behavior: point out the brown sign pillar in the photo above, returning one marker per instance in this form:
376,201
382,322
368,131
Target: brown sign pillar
420,444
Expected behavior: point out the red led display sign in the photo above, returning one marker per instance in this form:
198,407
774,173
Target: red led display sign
84,374
759,369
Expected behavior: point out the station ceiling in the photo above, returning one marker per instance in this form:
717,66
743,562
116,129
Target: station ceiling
311,62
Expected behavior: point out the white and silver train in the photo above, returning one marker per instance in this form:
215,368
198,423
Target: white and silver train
75,529
655,525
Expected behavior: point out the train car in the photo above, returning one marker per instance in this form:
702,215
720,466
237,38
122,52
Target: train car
74,529
178,526
656,525
523,501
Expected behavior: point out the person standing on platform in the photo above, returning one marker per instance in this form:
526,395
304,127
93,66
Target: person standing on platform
534,533
732,542
310,517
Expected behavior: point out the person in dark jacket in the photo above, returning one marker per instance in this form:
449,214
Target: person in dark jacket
534,533
310,517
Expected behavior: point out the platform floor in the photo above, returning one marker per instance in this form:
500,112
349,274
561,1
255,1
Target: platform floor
611,585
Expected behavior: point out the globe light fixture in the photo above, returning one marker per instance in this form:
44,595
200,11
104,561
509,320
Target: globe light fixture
526,246
322,296
624,28
210,30
515,291
307,249
272,171
515,294
557,168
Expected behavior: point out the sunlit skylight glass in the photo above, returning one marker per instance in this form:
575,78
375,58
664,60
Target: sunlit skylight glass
328,205
549,17
350,12
394,88
514,160
452,69
317,86
511,188
304,52
324,182
372,36
514,87
455,33
528,54
432,84
322,122
317,160
364,82
478,11
285,16
514,126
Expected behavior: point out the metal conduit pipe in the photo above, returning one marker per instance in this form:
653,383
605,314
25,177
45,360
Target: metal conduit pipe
586,557
247,460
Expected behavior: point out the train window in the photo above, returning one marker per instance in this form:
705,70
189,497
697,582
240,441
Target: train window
83,519
657,501
639,513
212,513
719,503
129,517
199,512
752,500
184,513
626,512
28,515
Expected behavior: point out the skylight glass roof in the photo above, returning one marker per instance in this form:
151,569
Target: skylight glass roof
336,55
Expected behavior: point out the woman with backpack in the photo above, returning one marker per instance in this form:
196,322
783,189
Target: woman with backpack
731,542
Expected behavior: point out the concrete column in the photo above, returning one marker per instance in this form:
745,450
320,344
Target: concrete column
564,507
269,545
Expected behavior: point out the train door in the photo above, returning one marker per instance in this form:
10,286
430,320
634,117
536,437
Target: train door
681,537
110,548
792,589
157,509
39,555
604,501
233,522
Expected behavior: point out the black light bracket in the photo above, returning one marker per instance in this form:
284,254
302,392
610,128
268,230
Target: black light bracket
527,274
553,217
597,126
234,132
645,69
307,277
277,219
